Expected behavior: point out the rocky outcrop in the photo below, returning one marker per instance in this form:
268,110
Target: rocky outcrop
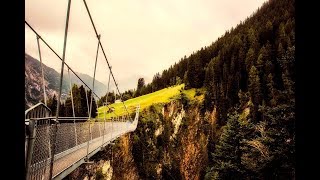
169,142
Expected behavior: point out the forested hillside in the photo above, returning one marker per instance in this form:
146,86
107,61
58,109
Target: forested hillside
256,57
249,76
243,128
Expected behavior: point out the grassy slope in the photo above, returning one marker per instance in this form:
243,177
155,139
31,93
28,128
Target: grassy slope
161,96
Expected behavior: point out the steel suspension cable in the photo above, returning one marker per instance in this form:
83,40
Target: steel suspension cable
60,87
87,101
69,66
89,130
107,103
73,113
59,56
96,32
61,79
94,75
104,125
42,74
108,90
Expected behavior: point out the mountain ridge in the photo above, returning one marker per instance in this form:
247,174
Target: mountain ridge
33,82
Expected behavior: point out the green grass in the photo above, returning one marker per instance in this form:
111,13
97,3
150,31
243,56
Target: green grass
161,96
191,94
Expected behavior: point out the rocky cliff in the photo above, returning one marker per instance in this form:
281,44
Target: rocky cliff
170,142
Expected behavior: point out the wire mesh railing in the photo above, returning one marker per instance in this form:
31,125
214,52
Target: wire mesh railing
73,141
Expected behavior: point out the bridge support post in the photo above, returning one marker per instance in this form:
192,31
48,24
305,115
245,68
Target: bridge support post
104,127
88,143
31,139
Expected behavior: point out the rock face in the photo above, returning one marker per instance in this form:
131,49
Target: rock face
114,162
170,142
33,82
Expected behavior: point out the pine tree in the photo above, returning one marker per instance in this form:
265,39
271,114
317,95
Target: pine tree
270,151
68,108
140,84
52,104
271,90
253,39
280,51
83,101
191,72
210,86
226,157
62,110
76,100
94,105
250,59
195,72
255,91
262,58
280,138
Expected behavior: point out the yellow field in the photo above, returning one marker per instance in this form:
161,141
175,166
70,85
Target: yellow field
161,96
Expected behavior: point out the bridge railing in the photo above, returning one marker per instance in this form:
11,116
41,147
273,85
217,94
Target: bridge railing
39,110
76,137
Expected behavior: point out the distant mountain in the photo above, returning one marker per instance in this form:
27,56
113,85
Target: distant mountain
33,82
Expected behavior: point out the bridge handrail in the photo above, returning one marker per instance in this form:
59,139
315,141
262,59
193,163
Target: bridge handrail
74,119
36,107
38,140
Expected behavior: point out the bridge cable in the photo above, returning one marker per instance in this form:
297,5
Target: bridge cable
61,78
95,30
60,87
94,76
87,102
42,74
64,62
104,124
88,122
107,105
73,112
59,57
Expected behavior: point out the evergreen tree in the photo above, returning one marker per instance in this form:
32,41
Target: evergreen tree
157,81
262,58
280,138
271,90
280,51
52,104
226,157
255,91
210,86
83,102
68,108
253,39
140,84
195,73
62,110
94,105
250,59
76,100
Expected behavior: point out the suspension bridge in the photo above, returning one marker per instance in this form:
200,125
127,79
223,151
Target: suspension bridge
54,145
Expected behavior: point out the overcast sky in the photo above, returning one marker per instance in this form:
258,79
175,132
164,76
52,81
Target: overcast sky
140,37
